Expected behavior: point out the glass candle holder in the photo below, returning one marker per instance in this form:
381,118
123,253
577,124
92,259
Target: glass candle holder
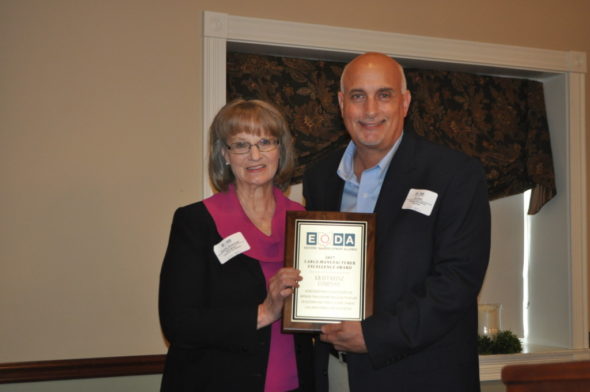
489,319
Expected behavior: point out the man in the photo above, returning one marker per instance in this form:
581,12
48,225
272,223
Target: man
432,245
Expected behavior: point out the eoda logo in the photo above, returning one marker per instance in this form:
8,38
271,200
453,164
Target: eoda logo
335,239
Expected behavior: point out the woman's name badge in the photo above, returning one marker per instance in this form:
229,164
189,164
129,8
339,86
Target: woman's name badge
420,200
231,246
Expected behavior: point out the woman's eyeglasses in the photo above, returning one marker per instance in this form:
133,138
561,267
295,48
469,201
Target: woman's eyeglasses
264,145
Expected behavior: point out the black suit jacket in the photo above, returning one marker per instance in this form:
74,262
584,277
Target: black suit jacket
208,313
429,270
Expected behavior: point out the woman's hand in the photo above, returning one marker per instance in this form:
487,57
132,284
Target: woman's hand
280,287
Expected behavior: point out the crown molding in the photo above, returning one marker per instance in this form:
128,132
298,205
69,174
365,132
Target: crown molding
402,46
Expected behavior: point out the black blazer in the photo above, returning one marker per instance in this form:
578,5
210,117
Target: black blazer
429,270
208,313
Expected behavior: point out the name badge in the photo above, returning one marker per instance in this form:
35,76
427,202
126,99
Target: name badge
231,246
420,200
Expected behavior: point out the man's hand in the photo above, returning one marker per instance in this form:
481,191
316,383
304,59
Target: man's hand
345,336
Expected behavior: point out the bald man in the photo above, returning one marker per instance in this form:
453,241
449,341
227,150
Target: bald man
432,245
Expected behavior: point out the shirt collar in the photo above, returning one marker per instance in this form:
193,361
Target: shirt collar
346,168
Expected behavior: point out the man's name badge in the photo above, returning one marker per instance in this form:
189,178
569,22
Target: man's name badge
420,200
231,246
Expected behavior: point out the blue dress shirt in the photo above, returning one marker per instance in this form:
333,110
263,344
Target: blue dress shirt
360,195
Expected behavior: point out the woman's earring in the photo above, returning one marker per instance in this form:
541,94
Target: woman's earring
226,163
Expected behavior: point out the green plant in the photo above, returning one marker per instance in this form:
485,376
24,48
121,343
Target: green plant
504,342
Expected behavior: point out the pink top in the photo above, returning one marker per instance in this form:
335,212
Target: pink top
230,218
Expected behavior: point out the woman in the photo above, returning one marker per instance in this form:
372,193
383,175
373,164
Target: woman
222,284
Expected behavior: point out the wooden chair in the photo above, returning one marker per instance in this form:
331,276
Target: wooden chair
548,377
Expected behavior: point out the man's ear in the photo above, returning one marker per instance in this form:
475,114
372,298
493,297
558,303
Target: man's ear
407,98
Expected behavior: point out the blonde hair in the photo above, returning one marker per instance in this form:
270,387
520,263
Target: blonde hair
254,117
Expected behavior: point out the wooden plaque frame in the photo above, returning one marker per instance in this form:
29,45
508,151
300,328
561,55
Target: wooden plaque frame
340,247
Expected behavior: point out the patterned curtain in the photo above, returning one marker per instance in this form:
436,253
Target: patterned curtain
500,121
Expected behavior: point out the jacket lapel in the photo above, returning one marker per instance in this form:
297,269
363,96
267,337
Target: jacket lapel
395,186
334,185
334,194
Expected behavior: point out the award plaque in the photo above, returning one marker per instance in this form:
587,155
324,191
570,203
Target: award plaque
334,252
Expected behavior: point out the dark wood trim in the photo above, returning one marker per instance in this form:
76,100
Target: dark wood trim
555,377
81,368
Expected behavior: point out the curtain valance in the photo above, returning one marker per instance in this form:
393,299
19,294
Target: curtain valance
501,121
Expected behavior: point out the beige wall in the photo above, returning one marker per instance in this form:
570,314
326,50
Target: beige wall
100,105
